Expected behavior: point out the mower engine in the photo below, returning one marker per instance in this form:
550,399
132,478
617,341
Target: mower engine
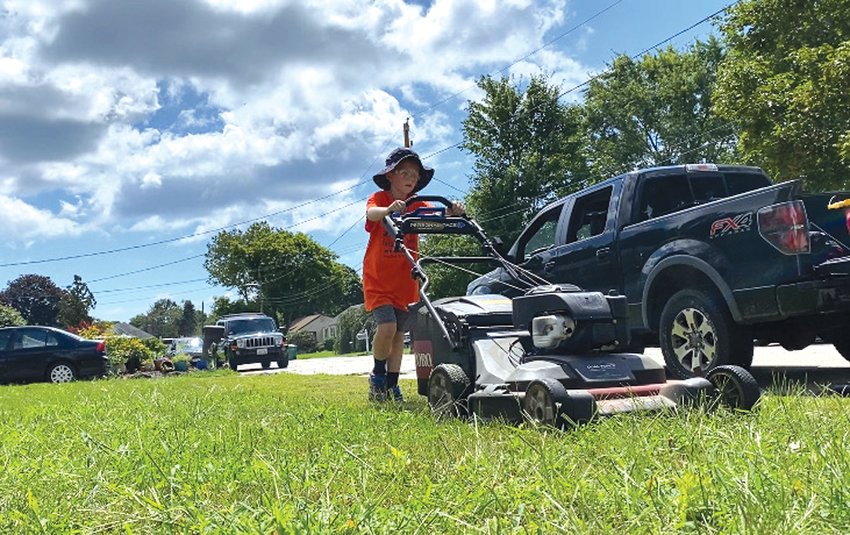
565,321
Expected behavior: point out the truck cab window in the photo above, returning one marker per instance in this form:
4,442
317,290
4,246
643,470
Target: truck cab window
590,215
708,187
661,195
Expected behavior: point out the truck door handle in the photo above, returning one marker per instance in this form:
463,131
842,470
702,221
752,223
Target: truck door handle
603,253
549,266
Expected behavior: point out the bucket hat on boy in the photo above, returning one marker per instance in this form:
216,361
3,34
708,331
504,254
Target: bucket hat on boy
397,156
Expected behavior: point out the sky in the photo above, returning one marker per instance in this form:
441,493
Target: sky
132,132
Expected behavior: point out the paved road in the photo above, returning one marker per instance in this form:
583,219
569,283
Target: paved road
817,364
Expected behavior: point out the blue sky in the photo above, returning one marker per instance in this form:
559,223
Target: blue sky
145,127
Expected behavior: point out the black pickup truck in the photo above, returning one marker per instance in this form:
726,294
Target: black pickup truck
710,259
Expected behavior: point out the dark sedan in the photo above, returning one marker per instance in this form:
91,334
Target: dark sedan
35,353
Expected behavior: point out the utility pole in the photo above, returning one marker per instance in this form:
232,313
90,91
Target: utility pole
259,290
407,142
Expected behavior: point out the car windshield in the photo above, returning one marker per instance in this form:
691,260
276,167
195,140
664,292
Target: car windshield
189,344
250,325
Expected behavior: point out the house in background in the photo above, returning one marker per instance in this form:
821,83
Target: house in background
323,327
125,329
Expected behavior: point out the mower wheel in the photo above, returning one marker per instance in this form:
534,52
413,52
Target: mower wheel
448,387
692,392
734,387
548,403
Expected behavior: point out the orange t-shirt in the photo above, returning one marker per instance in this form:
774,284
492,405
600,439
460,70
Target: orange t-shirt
387,278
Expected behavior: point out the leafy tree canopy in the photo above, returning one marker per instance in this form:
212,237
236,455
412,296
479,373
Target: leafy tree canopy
287,273
656,111
188,325
36,297
162,320
527,149
76,303
784,82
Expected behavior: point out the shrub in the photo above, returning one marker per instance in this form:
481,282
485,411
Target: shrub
155,346
96,330
10,317
328,344
128,351
305,340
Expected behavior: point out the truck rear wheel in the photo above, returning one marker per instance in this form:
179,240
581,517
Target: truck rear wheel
841,342
697,333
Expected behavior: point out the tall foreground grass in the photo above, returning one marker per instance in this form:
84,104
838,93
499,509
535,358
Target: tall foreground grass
299,454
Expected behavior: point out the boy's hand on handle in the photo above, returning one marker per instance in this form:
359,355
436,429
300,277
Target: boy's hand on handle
396,206
456,209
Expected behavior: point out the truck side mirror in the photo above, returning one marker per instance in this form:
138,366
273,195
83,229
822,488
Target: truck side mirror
500,246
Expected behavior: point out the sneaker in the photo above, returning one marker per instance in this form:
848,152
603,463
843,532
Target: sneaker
396,394
377,387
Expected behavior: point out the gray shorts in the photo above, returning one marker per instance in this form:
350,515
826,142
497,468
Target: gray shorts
389,314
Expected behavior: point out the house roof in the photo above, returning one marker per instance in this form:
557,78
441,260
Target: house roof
120,328
302,323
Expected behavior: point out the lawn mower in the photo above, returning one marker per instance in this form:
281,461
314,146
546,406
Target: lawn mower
555,355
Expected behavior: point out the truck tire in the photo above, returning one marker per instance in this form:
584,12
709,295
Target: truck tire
841,342
283,361
697,333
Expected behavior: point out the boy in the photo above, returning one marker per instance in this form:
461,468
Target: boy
388,286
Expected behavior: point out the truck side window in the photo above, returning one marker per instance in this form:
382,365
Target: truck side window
541,235
590,215
661,195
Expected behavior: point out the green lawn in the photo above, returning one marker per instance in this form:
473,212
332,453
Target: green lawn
228,453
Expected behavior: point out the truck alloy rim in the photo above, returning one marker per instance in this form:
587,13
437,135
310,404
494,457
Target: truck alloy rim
61,374
694,339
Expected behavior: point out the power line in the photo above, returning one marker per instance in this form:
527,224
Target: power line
433,154
178,238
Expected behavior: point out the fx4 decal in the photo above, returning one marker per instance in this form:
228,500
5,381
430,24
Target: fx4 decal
731,225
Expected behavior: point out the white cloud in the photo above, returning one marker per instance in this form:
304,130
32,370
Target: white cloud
162,115
22,222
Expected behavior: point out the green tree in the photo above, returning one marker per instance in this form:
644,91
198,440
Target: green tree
36,297
528,151
188,325
222,306
10,317
656,111
351,321
76,303
446,281
784,82
285,273
162,319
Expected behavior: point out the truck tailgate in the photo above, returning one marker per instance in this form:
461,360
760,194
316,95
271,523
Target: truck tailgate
833,222
835,267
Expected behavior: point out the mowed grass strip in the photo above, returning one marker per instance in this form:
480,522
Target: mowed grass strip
226,453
